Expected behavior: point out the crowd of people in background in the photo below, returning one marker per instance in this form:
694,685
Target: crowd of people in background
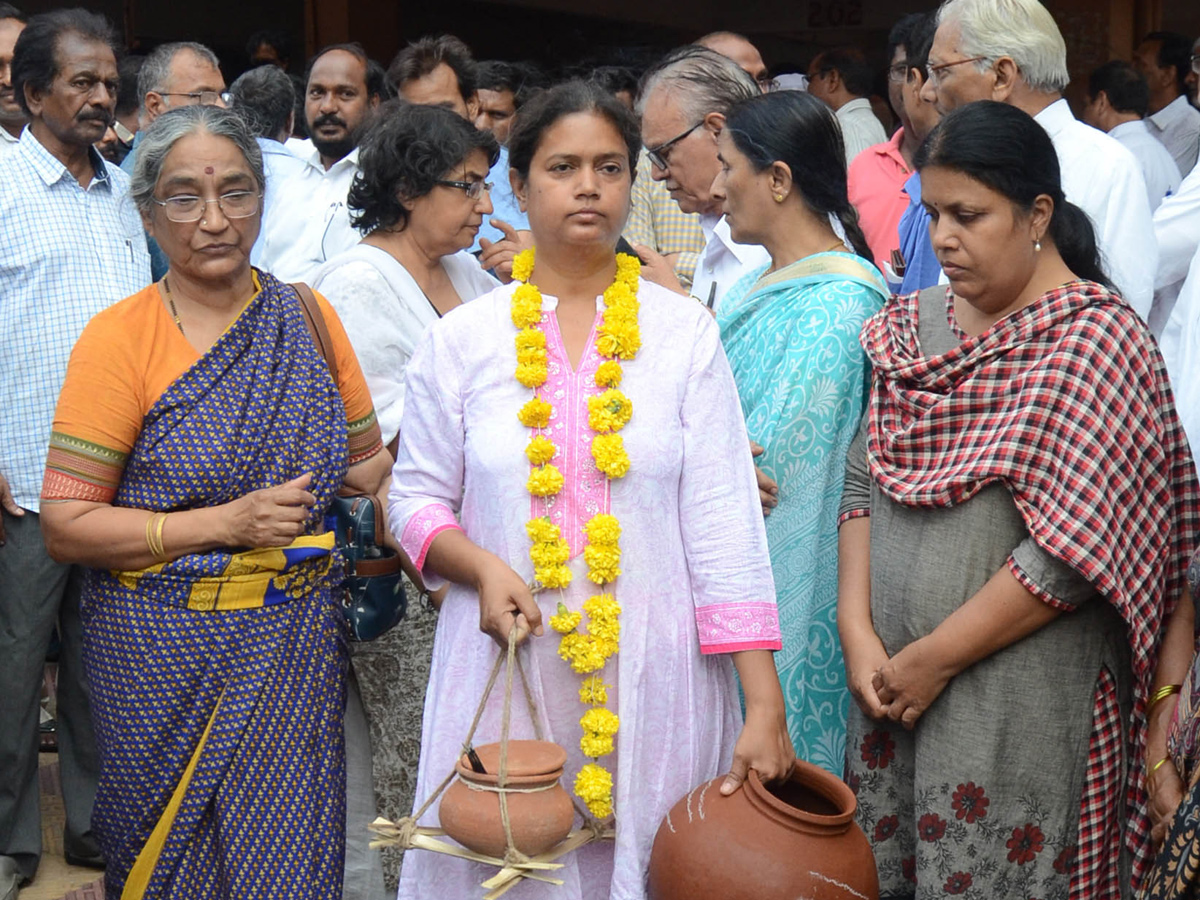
893,398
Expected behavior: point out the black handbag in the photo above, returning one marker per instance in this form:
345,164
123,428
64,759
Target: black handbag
372,592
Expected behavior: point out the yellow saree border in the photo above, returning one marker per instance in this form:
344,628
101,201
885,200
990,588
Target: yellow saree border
249,575
821,264
143,867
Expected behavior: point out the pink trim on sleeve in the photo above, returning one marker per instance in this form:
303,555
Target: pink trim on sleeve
730,627
426,524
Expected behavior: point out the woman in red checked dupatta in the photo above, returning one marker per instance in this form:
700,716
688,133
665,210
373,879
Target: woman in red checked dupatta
1031,502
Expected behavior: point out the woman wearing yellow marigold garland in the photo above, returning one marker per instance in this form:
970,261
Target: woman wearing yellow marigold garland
579,430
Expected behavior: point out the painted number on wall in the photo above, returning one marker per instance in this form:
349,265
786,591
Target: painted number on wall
835,13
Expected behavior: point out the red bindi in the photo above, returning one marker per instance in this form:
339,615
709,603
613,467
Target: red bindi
208,170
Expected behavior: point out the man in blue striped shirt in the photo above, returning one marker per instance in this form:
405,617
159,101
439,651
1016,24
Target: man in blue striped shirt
71,244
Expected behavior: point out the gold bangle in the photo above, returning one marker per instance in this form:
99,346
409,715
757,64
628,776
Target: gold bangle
1162,694
154,529
1158,765
150,534
161,555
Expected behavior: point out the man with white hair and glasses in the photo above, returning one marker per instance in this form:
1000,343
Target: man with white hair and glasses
682,103
1012,51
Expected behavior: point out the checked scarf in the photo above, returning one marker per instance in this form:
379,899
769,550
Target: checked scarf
1066,402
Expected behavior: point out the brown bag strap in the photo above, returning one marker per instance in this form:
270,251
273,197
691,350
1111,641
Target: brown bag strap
320,335
316,326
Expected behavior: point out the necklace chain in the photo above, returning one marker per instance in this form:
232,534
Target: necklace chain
171,302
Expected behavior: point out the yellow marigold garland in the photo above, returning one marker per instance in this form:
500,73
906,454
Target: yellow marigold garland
587,652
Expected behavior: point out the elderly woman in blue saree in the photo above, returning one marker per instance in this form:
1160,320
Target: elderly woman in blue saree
198,442
791,334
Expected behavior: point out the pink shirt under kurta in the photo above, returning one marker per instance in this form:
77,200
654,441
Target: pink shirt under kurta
695,585
875,183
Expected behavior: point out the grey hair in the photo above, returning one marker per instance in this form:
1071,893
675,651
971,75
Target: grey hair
163,133
266,98
1022,30
702,80
156,68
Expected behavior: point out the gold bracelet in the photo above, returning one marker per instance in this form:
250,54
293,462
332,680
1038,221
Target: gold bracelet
1162,694
1158,765
154,529
150,533
161,554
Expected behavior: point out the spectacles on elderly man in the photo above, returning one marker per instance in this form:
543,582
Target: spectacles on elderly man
190,208
658,155
204,98
473,189
938,73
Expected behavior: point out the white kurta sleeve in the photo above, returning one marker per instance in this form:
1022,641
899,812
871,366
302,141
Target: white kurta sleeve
720,513
427,479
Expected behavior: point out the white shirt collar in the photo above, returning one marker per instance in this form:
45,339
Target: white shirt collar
8,138
721,233
855,104
314,160
1055,117
1173,112
1136,126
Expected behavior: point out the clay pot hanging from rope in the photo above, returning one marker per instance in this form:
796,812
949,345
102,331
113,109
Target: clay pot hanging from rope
540,812
774,842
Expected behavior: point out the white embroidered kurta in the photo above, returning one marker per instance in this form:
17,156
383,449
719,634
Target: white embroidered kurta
696,578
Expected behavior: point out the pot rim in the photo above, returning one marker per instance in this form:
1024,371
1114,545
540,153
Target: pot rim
818,781
466,773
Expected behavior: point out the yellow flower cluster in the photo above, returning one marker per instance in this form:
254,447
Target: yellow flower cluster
603,561
594,786
603,528
523,265
564,621
535,413
608,373
540,450
526,306
532,370
604,619
608,450
593,691
544,481
585,654
609,411
549,552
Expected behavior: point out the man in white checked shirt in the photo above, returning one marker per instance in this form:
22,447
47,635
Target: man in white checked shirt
71,244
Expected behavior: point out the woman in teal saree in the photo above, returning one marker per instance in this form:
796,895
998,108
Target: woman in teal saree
199,439
791,334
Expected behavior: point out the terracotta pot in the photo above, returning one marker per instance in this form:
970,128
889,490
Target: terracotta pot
795,839
539,819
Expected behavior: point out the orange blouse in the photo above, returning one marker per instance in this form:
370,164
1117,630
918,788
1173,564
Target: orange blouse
127,356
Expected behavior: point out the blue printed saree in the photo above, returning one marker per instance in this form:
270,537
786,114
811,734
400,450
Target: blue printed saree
792,340
217,678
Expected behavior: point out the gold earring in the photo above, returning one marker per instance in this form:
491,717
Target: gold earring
779,198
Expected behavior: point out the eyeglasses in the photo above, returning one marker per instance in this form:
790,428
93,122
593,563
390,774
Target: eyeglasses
898,72
937,73
473,189
204,98
1196,63
767,83
658,155
190,208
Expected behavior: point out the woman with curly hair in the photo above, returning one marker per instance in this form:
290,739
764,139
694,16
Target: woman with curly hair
419,200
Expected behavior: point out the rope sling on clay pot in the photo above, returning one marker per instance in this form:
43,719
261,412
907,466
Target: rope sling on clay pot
544,793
